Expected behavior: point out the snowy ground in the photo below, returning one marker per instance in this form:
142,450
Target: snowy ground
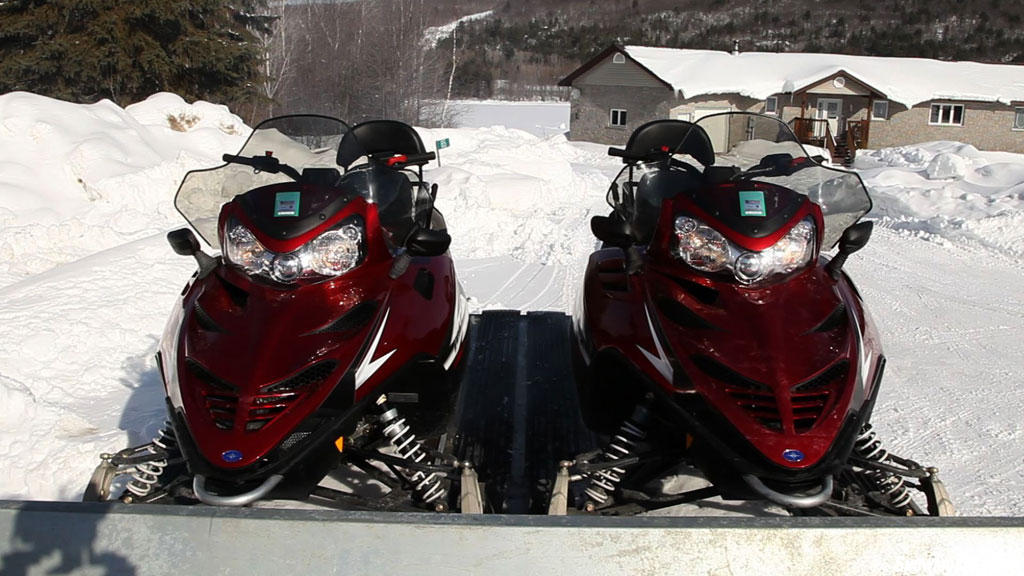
87,279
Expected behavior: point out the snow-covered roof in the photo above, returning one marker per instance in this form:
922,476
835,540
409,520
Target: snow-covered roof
908,81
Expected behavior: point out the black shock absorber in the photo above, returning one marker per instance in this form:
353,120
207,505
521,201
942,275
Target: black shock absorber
428,487
623,444
890,485
146,475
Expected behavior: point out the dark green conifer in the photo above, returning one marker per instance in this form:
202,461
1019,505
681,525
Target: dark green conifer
125,50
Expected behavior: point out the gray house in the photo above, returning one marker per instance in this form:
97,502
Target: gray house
834,101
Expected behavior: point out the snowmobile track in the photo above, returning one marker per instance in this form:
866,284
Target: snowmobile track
518,413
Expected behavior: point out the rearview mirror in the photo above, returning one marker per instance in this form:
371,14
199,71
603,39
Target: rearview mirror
427,242
853,239
183,242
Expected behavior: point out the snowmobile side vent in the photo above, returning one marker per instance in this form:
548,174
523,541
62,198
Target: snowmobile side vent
681,315
203,319
834,320
352,320
703,294
757,400
810,399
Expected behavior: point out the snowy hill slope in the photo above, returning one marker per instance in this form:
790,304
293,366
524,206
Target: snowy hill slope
87,279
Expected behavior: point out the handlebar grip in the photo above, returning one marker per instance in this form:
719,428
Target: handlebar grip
616,152
420,158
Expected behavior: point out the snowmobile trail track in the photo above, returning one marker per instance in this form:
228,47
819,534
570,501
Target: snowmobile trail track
518,413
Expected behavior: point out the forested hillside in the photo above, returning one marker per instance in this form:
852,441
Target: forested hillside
394,58
536,41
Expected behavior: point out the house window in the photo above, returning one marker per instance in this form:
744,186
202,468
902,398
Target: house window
880,110
619,58
1018,119
947,115
771,105
618,117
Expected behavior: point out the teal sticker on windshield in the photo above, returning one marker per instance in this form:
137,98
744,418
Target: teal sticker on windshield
286,204
752,204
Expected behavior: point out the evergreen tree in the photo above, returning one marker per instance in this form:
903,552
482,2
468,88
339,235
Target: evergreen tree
125,50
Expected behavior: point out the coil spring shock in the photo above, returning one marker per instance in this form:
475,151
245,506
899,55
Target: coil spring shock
427,486
145,475
623,443
868,446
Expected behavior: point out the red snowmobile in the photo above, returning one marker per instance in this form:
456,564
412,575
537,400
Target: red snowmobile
333,307
716,333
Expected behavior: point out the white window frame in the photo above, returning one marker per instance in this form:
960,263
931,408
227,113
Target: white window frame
621,114
1018,119
771,105
619,58
885,114
952,113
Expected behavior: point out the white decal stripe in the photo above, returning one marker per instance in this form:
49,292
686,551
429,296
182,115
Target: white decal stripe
660,362
368,367
460,323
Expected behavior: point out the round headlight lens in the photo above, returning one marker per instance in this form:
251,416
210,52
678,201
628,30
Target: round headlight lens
749,267
245,250
336,251
701,246
287,267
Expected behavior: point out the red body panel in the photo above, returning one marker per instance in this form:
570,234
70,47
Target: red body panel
247,336
784,362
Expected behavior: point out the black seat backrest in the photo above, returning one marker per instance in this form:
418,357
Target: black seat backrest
377,136
677,136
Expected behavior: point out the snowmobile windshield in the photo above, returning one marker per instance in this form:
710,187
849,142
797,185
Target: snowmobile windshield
763,148
738,147
307,143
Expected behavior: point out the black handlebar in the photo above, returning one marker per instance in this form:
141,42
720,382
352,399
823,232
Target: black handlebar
264,164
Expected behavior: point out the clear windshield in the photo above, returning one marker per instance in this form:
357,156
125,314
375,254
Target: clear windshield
299,141
749,147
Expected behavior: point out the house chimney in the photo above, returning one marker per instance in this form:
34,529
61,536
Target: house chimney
735,47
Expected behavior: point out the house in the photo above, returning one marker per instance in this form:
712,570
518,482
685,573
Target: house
835,101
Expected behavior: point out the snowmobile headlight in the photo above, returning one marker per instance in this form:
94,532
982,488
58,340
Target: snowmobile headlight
707,250
242,248
336,251
332,253
794,249
700,245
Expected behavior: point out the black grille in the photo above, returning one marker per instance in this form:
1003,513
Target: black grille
221,397
274,399
810,398
756,399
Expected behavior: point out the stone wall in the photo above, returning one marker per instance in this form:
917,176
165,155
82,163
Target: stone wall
986,126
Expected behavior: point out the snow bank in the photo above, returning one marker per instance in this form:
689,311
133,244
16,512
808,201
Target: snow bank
76,179
949,192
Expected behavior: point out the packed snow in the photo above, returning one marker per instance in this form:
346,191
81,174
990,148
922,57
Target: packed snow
87,279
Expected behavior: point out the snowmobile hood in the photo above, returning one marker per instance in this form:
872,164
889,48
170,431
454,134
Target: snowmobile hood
254,361
782,363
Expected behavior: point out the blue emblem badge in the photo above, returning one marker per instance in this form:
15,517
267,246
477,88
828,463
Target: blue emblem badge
231,456
793,456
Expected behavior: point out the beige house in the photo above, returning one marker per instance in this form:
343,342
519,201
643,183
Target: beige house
839,102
